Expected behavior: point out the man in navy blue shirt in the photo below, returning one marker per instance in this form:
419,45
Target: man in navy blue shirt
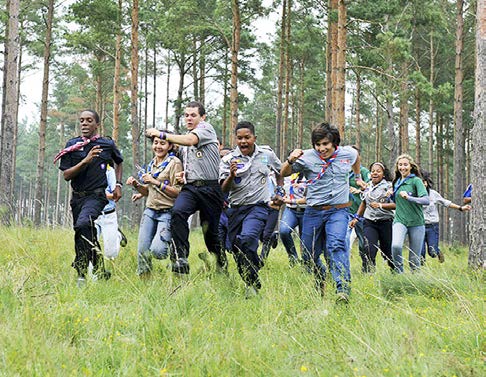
84,161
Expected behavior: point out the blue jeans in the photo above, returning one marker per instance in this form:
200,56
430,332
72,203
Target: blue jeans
416,239
431,241
327,229
291,218
154,238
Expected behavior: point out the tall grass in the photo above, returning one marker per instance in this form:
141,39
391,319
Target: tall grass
427,324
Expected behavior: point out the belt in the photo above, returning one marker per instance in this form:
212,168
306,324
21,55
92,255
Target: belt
108,212
201,183
298,209
327,207
82,194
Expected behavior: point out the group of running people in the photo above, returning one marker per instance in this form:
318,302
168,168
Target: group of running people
238,194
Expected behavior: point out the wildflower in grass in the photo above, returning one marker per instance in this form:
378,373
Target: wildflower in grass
303,369
163,372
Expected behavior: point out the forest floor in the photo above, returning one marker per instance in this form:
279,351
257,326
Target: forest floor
431,323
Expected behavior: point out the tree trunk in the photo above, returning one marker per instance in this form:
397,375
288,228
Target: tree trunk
404,147
431,105
477,244
391,131
10,113
59,177
331,57
154,83
136,213
167,91
180,90
39,187
340,93
378,133
459,158
202,79
195,75
358,110
288,76
281,73
235,48
418,142
145,102
226,141
300,120
116,77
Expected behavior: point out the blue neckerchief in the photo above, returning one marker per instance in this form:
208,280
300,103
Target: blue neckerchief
161,167
400,182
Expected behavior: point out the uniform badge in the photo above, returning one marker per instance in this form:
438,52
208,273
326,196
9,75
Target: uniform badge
263,181
265,159
199,154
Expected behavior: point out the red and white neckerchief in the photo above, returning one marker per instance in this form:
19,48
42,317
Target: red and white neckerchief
325,165
76,147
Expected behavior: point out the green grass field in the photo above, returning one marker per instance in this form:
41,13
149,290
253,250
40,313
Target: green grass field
427,324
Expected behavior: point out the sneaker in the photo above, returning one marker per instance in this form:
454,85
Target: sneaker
342,298
205,258
222,264
441,257
180,266
81,282
250,291
123,240
274,240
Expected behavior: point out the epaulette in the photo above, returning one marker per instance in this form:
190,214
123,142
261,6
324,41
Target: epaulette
266,147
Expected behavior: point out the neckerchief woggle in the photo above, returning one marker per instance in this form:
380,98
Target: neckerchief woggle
76,147
325,165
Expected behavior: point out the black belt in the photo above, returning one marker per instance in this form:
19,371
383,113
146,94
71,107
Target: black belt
201,183
82,194
298,209
108,212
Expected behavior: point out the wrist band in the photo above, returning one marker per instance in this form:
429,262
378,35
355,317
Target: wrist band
290,162
357,176
163,187
381,205
119,183
460,208
163,136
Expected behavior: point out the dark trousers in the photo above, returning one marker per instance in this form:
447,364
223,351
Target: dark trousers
85,211
246,224
268,230
208,200
378,235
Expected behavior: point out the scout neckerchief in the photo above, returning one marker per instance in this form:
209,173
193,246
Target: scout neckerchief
325,165
241,170
368,192
158,169
400,182
292,183
76,147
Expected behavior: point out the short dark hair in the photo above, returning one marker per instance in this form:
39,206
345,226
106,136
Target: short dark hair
95,114
199,106
245,124
325,130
